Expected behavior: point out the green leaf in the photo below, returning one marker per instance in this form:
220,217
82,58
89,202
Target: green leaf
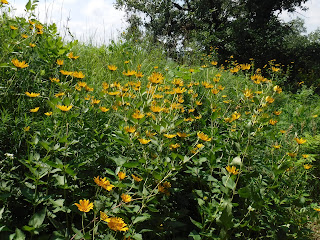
197,224
28,228
18,235
141,218
244,192
131,164
1,212
137,236
119,160
228,182
157,175
226,217
177,123
37,219
236,161
28,5
195,235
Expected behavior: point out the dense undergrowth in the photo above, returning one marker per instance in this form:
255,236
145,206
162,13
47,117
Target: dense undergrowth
118,142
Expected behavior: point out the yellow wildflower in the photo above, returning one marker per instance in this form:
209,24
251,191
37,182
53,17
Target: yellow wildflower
182,135
78,75
126,198
112,67
277,113
60,94
156,78
277,146
66,73
137,115
305,155
169,135
300,141
13,27
274,69
174,146
273,122
26,129
121,175
137,179
71,56
64,108
290,154
199,145
233,170
24,36
84,206
34,110
117,224
32,45
215,91
18,64
102,182
307,166
129,73
48,114
139,74
59,62
129,129
104,217
203,137
277,89
162,189
54,79
95,101
220,87
269,99
245,66
144,141
32,94
235,116
248,93
156,109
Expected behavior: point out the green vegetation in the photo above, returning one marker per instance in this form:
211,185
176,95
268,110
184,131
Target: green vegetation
245,29
120,142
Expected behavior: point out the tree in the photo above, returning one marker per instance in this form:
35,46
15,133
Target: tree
239,27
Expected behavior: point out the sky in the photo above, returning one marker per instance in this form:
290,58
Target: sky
98,22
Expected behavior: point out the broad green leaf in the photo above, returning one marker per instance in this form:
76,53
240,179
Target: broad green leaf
141,218
28,5
228,182
18,235
195,235
196,223
38,218
119,160
137,236
131,164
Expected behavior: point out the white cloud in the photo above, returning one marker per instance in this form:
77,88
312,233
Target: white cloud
311,17
96,21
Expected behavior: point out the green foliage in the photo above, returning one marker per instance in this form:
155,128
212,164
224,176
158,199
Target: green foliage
118,141
245,29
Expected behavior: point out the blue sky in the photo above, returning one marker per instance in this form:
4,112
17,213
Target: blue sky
99,21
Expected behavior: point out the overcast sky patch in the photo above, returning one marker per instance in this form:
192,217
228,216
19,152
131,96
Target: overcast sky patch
98,22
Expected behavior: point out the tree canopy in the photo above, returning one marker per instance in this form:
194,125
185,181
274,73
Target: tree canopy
243,28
